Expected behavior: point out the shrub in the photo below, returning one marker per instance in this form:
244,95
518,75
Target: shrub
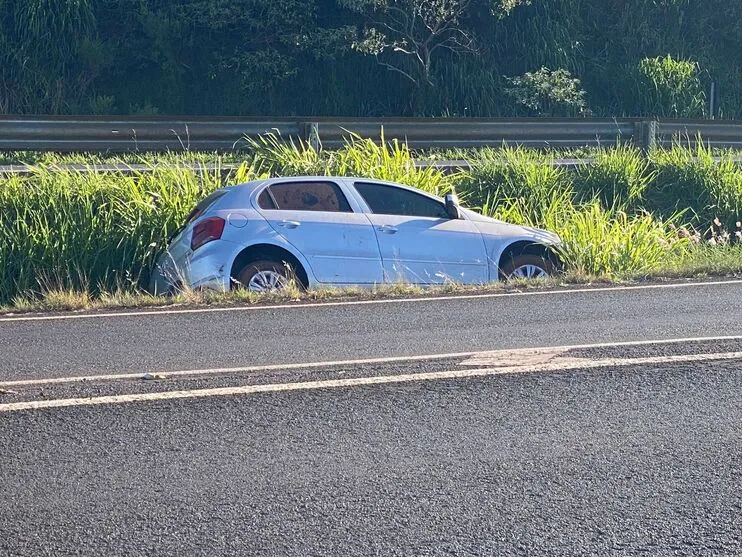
548,93
670,88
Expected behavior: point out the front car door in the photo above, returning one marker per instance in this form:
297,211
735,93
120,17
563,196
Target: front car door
418,241
316,218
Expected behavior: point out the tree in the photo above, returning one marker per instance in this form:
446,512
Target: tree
260,40
407,35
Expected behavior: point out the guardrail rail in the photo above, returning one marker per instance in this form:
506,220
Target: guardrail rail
108,134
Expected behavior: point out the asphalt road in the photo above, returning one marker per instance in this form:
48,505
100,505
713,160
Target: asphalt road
182,341
630,461
611,450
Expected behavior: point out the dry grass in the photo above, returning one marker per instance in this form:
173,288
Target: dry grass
62,301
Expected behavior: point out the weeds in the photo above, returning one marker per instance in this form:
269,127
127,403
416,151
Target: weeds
619,177
691,179
63,232
390,161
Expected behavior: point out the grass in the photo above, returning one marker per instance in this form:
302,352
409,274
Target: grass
71,240
691,180
702,263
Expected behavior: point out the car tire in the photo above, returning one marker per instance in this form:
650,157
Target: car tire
266,276
528,266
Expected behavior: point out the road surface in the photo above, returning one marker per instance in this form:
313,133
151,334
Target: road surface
588,423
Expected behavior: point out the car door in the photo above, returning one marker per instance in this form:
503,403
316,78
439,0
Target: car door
418,241
316,218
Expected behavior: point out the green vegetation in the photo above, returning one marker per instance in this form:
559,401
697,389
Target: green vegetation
370,57
64,232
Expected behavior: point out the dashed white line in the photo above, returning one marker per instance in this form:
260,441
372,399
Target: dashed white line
554,365
162,312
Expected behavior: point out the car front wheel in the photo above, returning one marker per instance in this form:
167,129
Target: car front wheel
265,276
528,266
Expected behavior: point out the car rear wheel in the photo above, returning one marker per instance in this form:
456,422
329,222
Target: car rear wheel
528,266
265,276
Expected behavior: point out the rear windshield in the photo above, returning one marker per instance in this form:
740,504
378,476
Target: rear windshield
204,204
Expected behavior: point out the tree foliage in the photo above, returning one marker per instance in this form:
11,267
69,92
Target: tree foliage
548,93
332,57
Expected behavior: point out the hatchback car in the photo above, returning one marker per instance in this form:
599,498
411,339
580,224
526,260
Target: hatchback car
344,231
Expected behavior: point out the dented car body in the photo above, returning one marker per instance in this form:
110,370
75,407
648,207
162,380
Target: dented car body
344,231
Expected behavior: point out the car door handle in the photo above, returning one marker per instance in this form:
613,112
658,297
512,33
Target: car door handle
387,228
289,223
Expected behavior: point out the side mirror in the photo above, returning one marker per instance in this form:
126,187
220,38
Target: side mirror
452,206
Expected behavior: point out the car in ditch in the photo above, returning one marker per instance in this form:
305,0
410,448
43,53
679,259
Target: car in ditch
332,231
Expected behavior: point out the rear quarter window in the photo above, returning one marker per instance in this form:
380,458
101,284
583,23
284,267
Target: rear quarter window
203,205
304,196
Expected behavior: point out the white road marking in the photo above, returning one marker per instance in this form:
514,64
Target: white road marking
567,364
487,358
523,357
160,312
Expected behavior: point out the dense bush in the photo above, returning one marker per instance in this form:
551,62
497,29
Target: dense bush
359,57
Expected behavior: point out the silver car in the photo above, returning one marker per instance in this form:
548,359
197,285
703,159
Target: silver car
344,231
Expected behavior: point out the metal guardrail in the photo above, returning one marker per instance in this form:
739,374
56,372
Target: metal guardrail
78,134
225,169
125,169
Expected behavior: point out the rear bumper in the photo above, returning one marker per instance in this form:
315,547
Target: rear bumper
206,268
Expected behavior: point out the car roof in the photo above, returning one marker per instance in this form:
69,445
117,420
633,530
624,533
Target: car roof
348,180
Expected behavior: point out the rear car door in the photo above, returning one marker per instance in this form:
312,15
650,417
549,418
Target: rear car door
316,218
419,242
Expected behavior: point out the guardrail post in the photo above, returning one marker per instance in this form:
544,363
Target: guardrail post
645,135
312,135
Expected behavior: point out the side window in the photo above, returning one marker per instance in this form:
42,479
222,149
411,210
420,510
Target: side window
388,200
266,200
304,196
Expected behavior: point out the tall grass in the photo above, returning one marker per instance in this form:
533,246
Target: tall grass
619,177
519,178
392,161
599,241
597,211
63,230
691,179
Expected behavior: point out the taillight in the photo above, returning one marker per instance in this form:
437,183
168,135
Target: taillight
206,231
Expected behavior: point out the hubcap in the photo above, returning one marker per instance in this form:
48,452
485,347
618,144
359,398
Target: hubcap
529,272
266,281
